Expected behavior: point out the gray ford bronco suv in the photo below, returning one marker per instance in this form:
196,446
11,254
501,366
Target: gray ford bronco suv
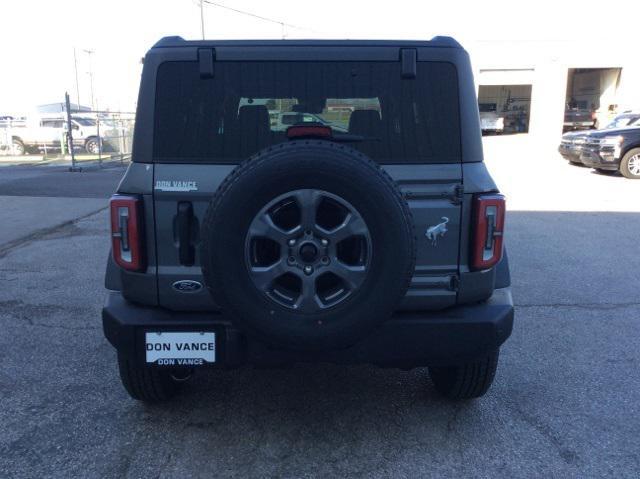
372,236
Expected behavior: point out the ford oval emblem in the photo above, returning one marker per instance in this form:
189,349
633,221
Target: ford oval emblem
187,286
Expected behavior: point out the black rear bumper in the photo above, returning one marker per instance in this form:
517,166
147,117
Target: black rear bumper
407,340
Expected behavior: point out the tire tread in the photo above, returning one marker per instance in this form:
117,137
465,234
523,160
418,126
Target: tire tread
144,383
467,380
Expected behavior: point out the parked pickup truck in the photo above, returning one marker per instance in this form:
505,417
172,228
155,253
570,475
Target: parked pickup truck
282,121
579,119
46,132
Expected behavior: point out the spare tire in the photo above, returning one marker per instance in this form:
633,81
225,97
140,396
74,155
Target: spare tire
308,245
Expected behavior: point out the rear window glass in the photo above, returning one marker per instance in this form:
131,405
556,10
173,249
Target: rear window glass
85,121
248,106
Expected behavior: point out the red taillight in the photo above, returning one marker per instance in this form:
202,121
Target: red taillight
126,232
310,131
488,211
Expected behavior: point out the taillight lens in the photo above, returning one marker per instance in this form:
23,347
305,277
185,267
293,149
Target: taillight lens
488,211
126,232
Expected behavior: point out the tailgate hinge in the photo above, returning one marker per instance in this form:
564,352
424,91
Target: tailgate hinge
454,283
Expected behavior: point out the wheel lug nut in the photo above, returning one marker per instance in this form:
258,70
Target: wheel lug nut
291,260
308,269
292,242
324,242
325,260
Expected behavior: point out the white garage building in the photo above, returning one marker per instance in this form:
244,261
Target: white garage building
531,83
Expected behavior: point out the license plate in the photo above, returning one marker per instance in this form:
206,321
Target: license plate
180,348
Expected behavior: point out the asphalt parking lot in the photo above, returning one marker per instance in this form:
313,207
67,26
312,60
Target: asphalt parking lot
565,403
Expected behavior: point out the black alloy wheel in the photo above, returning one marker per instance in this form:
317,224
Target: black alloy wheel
308,250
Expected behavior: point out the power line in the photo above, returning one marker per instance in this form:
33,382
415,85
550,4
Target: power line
260,17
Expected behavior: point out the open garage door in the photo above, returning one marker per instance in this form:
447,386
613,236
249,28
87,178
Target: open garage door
504,108
504,100
591,99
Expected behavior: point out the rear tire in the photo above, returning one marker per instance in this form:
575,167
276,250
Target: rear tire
146,384
630,164
466,380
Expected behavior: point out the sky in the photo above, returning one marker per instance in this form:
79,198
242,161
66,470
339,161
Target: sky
38,37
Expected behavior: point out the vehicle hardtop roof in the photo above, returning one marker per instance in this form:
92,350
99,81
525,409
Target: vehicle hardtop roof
438,42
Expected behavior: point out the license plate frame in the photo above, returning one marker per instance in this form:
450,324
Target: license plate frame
180,348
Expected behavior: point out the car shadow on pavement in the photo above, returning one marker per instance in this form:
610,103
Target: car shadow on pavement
315,420
615,174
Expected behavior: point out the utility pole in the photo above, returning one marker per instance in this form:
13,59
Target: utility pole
202,17
67,105
75,64
91,52
94,106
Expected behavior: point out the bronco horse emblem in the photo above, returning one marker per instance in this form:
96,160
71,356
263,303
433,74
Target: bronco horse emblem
438,230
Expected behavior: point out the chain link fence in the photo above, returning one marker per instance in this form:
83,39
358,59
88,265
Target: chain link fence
97,136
